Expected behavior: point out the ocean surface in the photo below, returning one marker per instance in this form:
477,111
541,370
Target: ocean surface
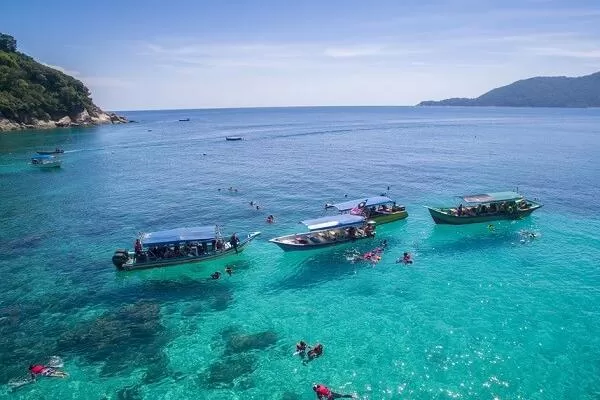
480,314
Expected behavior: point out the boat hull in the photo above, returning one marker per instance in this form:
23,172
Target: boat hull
391,217
440,217
47,165
132,265
289,242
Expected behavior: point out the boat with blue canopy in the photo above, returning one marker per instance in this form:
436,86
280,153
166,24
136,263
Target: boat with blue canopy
45,161
380,209
485,207
178,246
328,231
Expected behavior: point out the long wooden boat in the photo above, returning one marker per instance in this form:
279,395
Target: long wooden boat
380,209
233,138
328,231
45,161
179,246
485,207
50,152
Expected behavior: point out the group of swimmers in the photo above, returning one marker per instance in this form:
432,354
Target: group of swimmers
309,353
217,274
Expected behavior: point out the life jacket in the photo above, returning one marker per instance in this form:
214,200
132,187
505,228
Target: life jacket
323,391
37,369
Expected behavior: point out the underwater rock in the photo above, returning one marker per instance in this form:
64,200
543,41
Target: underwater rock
229,370
242,343
129,393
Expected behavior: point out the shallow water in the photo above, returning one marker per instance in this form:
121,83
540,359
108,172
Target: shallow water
480,314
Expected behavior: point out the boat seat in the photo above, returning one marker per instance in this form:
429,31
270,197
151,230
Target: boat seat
314,239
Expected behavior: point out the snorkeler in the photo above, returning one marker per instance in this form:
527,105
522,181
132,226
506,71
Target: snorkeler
313,353
406,259
301,348
228,270
324,393
43,370
215,275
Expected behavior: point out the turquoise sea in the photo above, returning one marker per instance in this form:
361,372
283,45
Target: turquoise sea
481,314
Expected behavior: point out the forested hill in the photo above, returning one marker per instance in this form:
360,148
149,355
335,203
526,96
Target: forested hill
33,95
559,91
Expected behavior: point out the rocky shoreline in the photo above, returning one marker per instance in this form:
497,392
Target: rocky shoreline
84,118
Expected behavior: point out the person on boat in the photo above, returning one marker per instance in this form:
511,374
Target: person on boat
369,231
228,270
137,248
315,352
459,211
215,275
270,219
324,393
234,240
36,370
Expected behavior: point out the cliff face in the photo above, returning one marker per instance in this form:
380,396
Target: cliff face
33,95
559,91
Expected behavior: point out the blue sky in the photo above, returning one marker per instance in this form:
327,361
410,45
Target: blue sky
202,54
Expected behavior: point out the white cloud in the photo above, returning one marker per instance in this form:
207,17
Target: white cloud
61,69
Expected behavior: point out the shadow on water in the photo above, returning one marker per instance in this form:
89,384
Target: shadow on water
238,360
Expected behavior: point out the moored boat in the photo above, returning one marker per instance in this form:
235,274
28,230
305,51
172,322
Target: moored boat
328,231
380,209
179,246
485,207
45,161
233,138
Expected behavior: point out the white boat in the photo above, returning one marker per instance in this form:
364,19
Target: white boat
179,246
328,231
45,161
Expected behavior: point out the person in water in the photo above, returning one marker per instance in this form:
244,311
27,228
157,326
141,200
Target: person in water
270,219
301,348
324,393
228,270
215,275
406,259
36,370
315,352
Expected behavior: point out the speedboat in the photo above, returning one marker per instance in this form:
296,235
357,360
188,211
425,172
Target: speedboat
380,209
179,246
485,207
45,161
328,231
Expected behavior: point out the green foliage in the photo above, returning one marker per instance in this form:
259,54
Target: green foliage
7,43
30,90
558,91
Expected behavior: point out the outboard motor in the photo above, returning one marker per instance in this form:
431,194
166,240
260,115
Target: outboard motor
120,257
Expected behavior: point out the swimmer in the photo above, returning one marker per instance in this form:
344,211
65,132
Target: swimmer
406,259
301,348
491,227
228,270
215,275
251,202
324,393
36,370
270,219
315,352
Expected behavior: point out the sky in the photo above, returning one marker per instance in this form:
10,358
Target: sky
136,55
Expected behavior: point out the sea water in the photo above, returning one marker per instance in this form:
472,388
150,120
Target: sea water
483,312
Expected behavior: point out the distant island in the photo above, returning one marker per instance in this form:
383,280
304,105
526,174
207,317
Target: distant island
554,91
35,96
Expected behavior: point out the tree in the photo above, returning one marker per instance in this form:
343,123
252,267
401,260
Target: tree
7,43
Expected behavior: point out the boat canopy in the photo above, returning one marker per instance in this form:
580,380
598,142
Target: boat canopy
492,197
369,201
333,221
178,235
43,157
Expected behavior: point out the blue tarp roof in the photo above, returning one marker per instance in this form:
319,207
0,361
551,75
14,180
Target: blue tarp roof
178,235
370,201
333,221
489,197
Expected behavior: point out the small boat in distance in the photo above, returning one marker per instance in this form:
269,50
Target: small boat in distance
45,161
484,208
328,231
184,120
234,138
179,246
50,152
380,209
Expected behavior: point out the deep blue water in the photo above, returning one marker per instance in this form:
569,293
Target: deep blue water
480,314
